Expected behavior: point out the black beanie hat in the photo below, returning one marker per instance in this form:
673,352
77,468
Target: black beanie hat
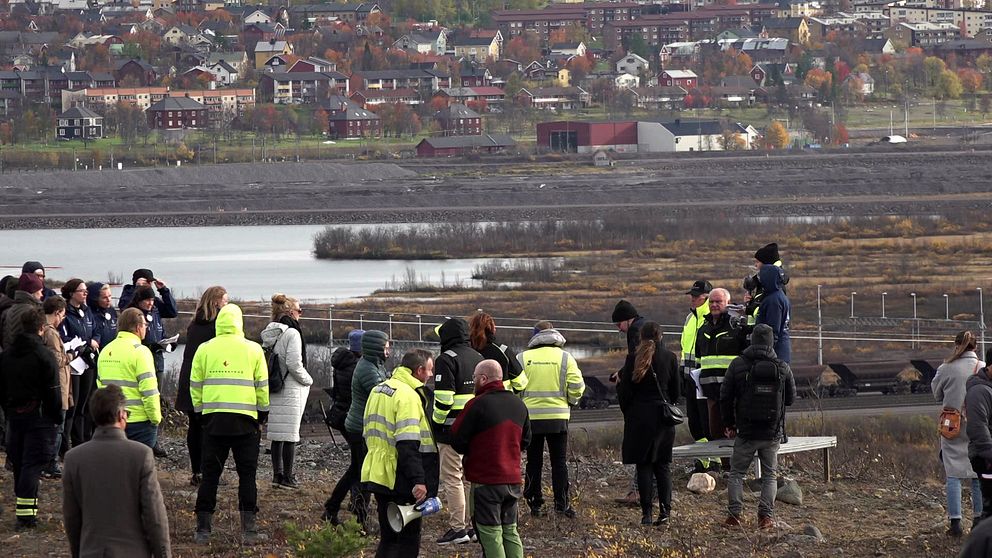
31,267
623,311
142,273
143,293
767,254
763,335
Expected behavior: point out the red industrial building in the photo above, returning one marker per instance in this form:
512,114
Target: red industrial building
453,146
588,137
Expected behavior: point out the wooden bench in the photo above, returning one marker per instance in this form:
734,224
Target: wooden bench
796,444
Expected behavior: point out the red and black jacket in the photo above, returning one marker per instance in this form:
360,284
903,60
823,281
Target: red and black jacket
491,431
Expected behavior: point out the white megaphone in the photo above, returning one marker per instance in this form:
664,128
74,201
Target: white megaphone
399,515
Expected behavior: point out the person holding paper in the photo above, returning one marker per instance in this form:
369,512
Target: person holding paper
77,334
125,362
54,308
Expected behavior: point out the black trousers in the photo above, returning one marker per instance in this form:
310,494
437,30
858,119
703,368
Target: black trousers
696,410
30,448
349,481
406,543
557,448
80,428
659,470
194,441
983,468
215,450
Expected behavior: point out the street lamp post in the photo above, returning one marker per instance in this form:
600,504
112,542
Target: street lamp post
852,303
914,304
916,324
883,304
819,328
947,307
981,317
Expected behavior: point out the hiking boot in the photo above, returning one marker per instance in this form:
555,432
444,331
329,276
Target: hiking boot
158,452
454,537
289,483
203,527
955,529
766,522
732,521
54,472
567,512
25,523
646,519
277,480
662,520
249,533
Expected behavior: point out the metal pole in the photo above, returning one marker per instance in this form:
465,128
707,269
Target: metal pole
916,324
981,318
390,326
361,321
420,328
819,328
852,303
947,307
883,304
330,325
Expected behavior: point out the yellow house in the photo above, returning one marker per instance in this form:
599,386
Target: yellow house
477,48
793,28
264,50
564,78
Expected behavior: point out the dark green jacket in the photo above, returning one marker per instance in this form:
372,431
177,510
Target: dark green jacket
369,371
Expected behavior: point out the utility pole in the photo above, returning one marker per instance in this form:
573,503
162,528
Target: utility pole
981,317
819,328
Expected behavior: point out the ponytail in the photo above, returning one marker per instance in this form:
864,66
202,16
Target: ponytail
964,341
650,336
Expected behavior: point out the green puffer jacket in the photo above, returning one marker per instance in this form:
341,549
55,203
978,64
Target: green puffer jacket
369,371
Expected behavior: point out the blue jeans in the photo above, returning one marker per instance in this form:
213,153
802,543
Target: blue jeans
144,432
954,497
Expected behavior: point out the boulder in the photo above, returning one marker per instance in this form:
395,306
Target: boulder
790,493
701,483
812,531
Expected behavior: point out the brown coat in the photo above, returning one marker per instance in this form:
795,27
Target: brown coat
54,342
112,503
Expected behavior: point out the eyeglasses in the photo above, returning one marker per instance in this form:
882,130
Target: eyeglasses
80,290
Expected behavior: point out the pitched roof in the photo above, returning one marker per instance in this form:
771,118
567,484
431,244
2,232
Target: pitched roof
456,110
270,46
79,112
354,112
484,140
177,103
693,127
304,76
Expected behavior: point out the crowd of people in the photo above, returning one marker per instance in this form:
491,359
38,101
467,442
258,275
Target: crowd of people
77,371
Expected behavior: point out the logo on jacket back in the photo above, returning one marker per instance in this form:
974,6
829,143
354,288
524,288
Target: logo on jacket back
225,364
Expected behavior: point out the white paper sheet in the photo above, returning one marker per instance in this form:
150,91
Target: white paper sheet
78,366
694,373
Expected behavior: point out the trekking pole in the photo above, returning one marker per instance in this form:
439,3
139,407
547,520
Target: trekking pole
323,413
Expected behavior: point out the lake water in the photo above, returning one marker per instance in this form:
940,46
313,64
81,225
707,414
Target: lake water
250,262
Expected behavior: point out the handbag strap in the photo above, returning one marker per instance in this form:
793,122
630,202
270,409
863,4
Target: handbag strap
661,392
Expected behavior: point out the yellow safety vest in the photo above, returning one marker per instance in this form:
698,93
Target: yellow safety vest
693,321
394,413
554,382
229,373
128,364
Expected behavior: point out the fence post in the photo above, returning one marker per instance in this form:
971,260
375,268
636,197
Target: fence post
330,326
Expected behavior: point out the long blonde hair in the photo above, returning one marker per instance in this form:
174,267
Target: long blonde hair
964,341
650,336
210,303
282,305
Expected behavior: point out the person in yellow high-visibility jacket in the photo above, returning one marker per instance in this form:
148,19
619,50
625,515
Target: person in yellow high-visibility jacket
126,363
554,383
402,462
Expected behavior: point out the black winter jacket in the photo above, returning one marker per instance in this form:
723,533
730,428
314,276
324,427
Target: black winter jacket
978,402
641,404
29,379
78,322
453,371
104,319
198,332
344,362
717,337
505,356
732,391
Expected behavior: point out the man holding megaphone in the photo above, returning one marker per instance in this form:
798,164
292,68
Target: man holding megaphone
401,466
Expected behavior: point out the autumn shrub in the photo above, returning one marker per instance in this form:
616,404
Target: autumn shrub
327,540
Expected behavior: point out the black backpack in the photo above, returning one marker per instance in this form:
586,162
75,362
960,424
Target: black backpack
762,403
277,377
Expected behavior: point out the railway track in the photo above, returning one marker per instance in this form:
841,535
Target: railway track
862,404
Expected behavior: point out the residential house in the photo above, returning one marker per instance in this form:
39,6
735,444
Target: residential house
761,49
568,49
736,34
434,41
265,50
10,102
794,92
867,82
732,96
924,34
840,23
491,97
658,98
878,46
554,98
255,14
475,48
798,8
313,64
474,76
180,34
454,146
679,55
429,80
680,136
686,79
307,15
766,74
457,119
177,113
134,71
79,123
354,122
286,88
263,32
633,64
224,73
626,81
371,98
793,28
964,49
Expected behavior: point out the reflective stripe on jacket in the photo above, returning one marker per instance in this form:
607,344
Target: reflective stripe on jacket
126,363
693,321
229,373
554,382
393,414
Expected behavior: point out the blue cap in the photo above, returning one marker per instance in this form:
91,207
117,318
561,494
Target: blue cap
355,340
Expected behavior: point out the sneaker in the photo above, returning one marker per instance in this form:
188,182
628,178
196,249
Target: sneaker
52,472
454,537
732,521
472,536
568,512
277,480
289,483
766,522
662,520
646,519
